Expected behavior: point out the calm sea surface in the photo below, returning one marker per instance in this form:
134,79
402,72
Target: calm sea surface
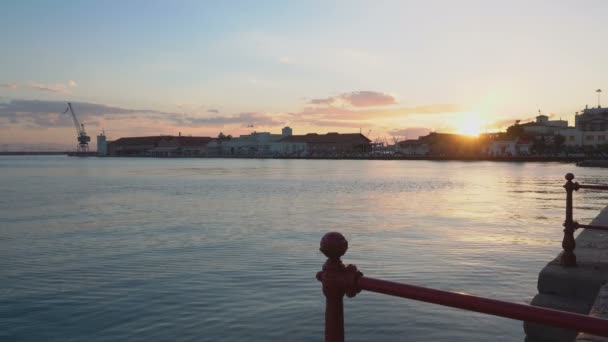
227,250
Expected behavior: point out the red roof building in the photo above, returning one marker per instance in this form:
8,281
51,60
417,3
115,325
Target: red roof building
161,146
330,144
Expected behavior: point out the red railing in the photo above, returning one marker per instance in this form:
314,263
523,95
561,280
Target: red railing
568,258
339,280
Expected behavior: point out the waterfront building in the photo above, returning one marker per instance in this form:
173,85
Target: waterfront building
327,145
449,144
102,145
254,144
544,127
592,119
576,137
180,147
509,147
590,128
159,146
132,146
412,147
286,131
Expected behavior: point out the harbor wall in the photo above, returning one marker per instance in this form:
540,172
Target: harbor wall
580,289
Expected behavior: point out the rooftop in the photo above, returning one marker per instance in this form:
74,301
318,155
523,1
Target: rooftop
329,138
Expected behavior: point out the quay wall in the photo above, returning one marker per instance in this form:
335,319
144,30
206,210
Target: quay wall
431,158
580,289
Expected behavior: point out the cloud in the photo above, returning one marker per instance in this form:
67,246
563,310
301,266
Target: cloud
43,107
213,111
35,113
410,132
357,99
286,60
504,123
342,113
60,88
50,88
244,119
337,123
324,102
50,113
368,99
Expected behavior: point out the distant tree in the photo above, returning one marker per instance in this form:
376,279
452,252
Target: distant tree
222,136
516,130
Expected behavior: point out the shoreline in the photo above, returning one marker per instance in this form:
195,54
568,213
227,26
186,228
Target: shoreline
430,158
581,161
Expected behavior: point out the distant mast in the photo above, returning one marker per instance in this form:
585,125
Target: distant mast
599,92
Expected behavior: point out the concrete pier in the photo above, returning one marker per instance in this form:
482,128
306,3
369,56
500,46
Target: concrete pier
580,289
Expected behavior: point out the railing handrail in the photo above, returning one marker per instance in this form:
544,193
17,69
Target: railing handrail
339,280
522,312
568,258
591,186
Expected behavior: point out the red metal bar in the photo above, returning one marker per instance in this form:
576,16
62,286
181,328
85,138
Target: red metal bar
568,259
522,312
596,187
339,280
591,226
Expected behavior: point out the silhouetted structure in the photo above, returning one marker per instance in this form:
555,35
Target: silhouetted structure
159,146
330,144
81,135
592,119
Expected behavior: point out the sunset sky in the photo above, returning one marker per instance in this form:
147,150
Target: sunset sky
400,68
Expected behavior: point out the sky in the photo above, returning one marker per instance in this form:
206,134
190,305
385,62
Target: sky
388,69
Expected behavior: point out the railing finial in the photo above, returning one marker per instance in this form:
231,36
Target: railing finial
333,245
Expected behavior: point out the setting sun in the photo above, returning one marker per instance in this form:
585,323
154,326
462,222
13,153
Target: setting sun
472,126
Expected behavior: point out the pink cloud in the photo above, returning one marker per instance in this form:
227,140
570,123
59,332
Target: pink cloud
53,88
60,88
368,99
410,132
9,85
357,99
341,113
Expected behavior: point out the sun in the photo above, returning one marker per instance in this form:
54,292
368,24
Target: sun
471,126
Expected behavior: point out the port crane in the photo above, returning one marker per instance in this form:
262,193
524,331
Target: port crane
81,134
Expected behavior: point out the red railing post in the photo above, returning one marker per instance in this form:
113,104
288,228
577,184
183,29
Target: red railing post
337,280
568,258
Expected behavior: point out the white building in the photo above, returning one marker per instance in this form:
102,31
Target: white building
591,128
254,144
102,145
544,126
576,137
509,147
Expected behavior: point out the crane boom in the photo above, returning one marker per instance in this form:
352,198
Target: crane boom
81,134
79,127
